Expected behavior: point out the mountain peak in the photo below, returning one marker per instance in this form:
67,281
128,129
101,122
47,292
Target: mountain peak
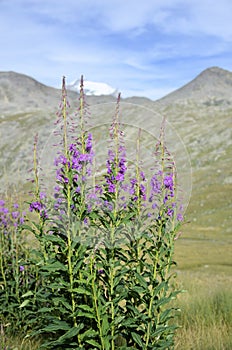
213,83
216,72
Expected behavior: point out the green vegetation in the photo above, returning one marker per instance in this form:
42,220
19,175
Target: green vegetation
203,251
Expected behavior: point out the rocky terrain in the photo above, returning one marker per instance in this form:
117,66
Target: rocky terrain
198,131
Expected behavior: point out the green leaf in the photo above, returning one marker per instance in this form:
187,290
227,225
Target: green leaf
84,314
80,290
45,309
129,322
159,329
63,302
24,303
54,239
56,266
58,325
166,315
94,343
136,337
90,333
85,307
28,294
71,333
118,320
141,280
57,286
139,290
105,325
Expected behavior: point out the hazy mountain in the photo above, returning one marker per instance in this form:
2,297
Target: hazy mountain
199,125
20,93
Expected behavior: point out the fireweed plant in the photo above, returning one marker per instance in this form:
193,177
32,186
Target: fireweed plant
17,275
103,277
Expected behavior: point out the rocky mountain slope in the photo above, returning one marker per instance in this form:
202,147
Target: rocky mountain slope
213,86
199,133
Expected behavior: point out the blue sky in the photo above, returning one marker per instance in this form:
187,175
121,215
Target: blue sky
146,48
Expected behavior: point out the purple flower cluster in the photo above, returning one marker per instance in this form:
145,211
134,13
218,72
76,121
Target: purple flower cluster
162,192
169,185
39,207
155,189
116,170
89,147
75,162
138,190
13,217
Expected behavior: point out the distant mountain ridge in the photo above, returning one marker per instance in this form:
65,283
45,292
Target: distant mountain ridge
19,92
211,85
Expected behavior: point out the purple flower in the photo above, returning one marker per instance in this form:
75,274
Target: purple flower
119,177
122,165
42,195
170,212
2,203
98,189
108,205
76,177
39,208
36,206
89,207
88,147
180,217
63,160
155,185
112,188
66,180
168,182
72,147
84,157
15,214
56,206
143,192
21,268
78,189
108,164
16,206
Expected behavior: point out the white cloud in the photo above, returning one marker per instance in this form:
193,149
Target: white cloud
171,16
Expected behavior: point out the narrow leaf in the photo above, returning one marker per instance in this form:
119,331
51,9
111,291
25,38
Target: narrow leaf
24,303
28,294
136,337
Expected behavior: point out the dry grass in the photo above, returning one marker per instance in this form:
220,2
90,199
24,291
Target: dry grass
206,312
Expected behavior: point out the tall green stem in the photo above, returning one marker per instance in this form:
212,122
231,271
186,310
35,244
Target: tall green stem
69,236
95,302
